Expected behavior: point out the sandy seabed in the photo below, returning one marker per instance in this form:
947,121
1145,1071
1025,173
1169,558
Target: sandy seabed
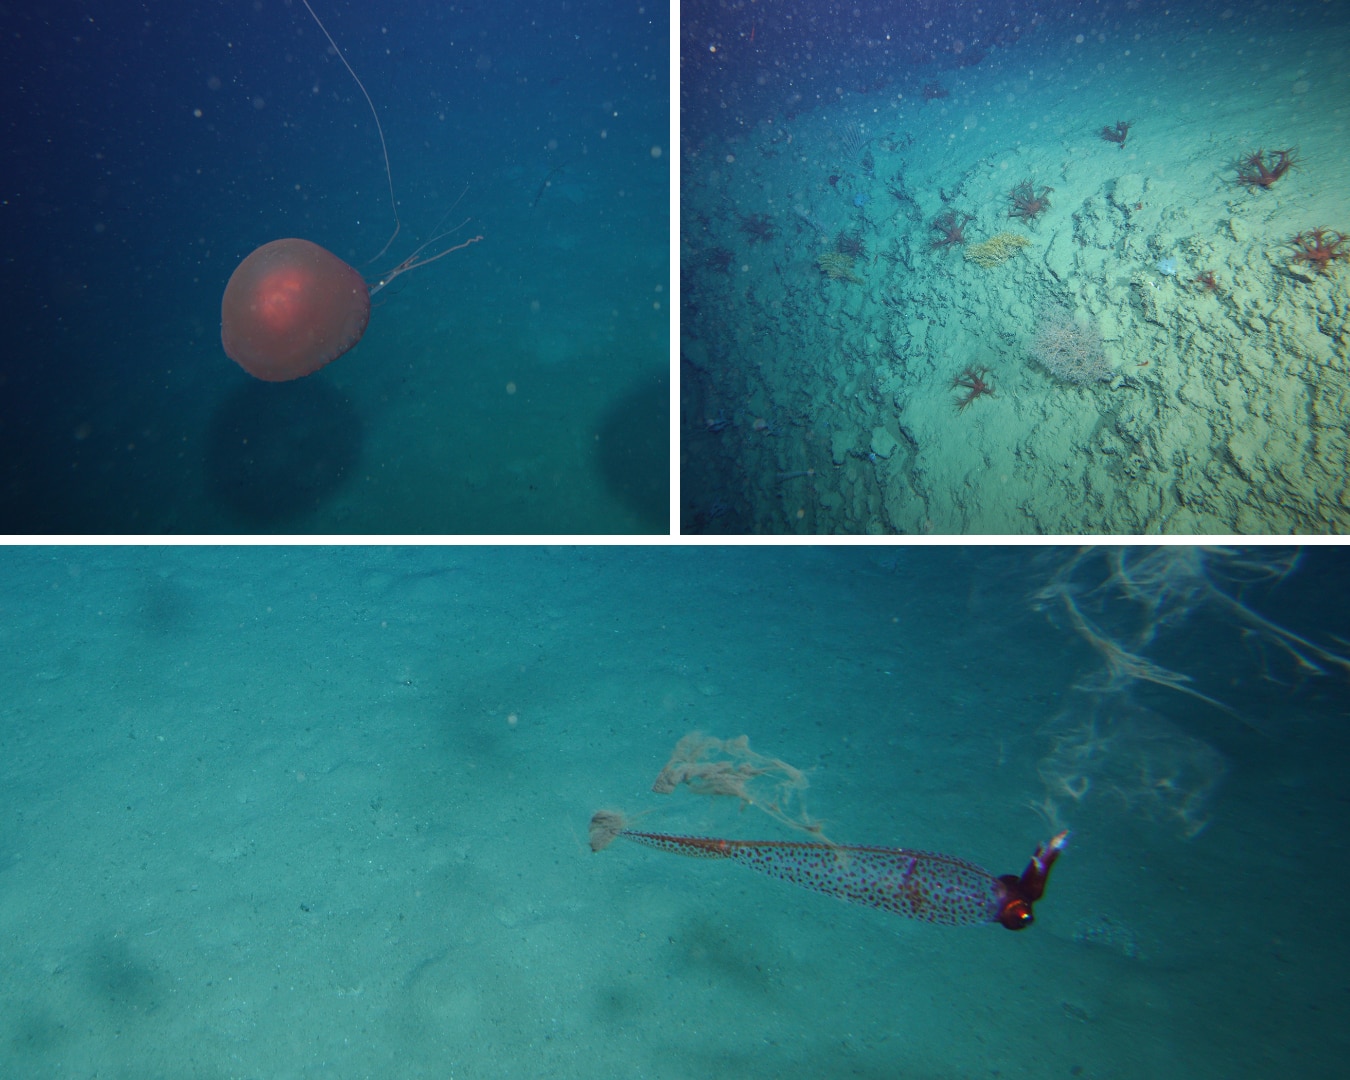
321,813
817,404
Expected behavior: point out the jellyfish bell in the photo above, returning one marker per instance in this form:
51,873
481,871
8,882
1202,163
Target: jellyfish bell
290,308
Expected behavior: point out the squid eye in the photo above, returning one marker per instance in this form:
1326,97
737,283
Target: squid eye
1016,915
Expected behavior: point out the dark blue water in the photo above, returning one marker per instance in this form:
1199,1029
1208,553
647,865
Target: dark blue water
519,385
323,812
743,61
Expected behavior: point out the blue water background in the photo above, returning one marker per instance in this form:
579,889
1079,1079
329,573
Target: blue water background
519,385
317,813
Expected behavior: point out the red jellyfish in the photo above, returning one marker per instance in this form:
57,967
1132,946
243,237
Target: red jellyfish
291,306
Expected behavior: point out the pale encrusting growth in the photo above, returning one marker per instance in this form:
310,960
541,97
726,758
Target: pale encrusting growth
1070,350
